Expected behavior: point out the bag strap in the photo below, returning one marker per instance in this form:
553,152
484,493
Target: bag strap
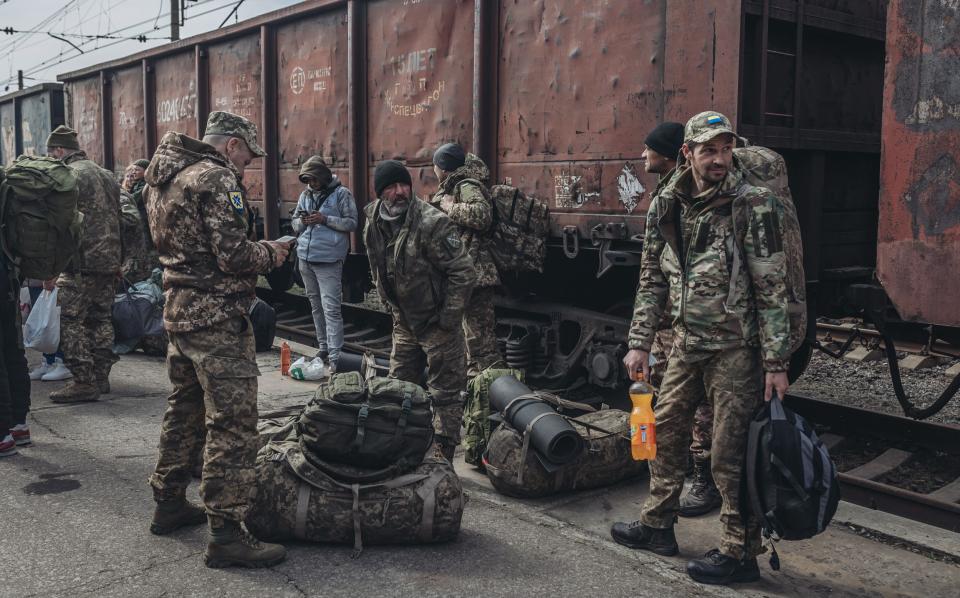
357,531
303,506
526,442
362,415
428,494
788,475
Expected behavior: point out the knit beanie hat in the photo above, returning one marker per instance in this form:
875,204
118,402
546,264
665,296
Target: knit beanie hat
666,139
389,172
65,137
449,157
142,163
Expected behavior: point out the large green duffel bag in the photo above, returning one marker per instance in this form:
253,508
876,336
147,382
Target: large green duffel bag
605,460
375,423
296,500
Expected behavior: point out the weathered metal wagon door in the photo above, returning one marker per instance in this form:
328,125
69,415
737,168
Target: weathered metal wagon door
918,253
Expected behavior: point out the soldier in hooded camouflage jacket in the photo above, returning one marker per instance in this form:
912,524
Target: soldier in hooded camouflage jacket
199,222
714,246
87,285
464,197
424,277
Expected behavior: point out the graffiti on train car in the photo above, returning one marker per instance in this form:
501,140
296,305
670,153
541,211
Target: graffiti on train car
629,188
319,78
177,108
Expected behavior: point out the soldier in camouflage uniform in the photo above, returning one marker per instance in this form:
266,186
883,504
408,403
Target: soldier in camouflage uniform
731,336
424,276
88,283
139,255
464,197
198,219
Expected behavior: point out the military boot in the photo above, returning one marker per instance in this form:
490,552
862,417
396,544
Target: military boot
703,496
76,392
231,545
172,514
719,569
639,536
104,385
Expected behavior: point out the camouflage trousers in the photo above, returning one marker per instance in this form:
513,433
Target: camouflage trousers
442,352
479,331
213,409
703,417
732,381
86,331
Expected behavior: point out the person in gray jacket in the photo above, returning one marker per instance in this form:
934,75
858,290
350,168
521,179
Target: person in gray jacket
324,218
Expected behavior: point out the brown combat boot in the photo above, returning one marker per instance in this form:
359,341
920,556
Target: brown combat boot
170,515
76,392
231,545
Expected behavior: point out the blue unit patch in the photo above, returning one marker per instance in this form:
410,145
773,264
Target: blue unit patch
236,200
714,120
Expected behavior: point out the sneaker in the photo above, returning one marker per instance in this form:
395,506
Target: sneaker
38,372
21,434
59,372
8,446
231,545
717,568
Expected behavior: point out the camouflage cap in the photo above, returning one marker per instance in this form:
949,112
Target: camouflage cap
63,136
234,125
707,125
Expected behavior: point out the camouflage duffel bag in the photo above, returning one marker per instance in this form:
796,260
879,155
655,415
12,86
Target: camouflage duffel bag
372,423
606,459
296,500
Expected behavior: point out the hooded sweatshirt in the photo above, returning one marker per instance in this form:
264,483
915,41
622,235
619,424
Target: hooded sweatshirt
330,241
198,219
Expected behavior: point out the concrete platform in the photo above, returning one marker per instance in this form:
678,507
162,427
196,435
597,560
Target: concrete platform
76,507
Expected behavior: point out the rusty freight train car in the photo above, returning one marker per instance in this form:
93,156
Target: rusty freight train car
556,96
26,118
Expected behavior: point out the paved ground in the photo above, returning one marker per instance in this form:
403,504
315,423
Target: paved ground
76,505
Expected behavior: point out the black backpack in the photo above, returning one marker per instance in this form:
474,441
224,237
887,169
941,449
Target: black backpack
791,480
264,320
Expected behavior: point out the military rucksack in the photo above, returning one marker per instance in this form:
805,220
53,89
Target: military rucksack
476,412
38,210
295,499
605,460
375,428
766,168
518,236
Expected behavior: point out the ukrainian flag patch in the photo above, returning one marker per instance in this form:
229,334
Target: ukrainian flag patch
236,200
714,120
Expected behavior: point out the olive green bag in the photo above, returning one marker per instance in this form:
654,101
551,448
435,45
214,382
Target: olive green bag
380,423
476,412
38,211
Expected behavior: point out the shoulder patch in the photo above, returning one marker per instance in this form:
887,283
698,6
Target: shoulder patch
236,200
453,242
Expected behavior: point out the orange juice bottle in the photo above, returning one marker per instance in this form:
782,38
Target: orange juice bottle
284,359
643,428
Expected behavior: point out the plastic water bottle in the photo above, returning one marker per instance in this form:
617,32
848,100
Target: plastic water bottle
643,427
284,359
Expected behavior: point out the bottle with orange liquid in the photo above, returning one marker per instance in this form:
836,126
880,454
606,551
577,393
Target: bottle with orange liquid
643,428
284,359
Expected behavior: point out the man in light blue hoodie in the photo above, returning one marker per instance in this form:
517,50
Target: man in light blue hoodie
325,216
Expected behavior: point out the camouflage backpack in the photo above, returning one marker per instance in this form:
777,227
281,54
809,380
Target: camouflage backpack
295,499
518,236
380,424
38,210
476,412
606,460
766,168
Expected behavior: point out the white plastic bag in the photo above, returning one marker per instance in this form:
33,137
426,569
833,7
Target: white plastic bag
302,369
42,328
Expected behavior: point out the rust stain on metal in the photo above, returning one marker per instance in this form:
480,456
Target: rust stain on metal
126,97
8,133
919,227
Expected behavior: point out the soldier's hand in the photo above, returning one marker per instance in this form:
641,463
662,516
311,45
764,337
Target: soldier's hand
776,381
635,361
281,251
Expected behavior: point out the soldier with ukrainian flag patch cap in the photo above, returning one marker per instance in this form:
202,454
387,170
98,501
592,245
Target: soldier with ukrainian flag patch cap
201,225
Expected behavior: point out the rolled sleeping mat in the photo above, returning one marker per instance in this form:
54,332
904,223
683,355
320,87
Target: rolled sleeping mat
551,435
352,362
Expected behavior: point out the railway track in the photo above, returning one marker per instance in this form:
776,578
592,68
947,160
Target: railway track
890,463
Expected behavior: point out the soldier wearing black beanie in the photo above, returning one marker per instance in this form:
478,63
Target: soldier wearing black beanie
665,139
389,172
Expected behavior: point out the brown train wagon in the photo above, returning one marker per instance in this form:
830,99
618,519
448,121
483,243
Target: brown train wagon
556,96
26,118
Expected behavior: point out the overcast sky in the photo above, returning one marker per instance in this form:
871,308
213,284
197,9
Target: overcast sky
42,57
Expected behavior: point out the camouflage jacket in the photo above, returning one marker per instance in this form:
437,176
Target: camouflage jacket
98,199
463,195
422,273
725,292
137,264
198,221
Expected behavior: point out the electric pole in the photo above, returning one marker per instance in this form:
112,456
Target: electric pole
174,20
